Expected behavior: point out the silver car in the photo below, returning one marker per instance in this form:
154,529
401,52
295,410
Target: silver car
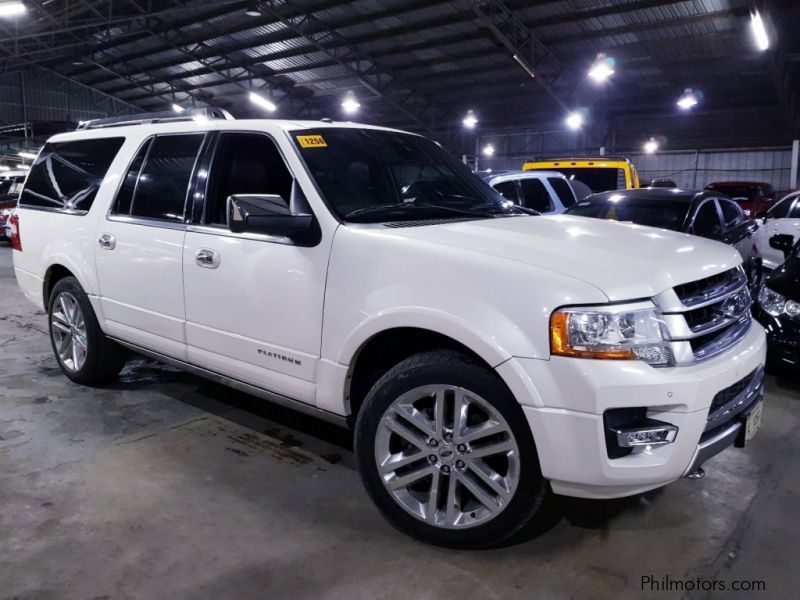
547,192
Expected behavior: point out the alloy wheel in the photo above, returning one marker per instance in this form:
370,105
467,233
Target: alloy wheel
68,328
447,456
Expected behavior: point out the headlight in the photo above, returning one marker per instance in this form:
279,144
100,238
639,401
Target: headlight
623,332
778,305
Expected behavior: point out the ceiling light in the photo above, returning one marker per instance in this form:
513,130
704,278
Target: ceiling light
688,99
30,155
23,168
759,31
650,146
5,168
11,9
470,120
574,120
262,102
350,104
488,150
253,10
77,62
178,108
602,68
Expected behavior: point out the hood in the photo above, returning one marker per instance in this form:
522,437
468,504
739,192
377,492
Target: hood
625,261
786,279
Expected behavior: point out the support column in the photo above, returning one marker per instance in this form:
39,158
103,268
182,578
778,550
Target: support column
795,159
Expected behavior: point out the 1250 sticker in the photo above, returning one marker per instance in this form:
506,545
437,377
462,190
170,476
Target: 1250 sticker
311,141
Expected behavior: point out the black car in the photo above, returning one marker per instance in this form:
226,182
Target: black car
778,306
705,213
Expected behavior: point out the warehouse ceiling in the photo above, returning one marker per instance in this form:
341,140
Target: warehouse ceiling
422,64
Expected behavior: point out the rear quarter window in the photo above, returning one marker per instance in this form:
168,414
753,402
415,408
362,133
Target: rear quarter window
66,175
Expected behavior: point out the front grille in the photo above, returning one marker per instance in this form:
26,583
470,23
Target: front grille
708,316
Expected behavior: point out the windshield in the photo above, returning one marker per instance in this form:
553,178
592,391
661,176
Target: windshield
734,191
655,213
373,175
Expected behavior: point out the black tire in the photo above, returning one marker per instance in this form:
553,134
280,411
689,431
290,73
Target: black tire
531,499
104,358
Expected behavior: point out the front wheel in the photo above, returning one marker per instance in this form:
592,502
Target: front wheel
84,353
446,453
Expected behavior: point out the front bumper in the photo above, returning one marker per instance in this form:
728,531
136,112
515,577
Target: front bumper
564,400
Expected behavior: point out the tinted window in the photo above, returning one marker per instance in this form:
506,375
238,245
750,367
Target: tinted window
164,179
731,214
781,209
734,191
386,176
654,213
600,179
535,195
67,175
562,190
706,222
508,189
244,164
122,205
795,212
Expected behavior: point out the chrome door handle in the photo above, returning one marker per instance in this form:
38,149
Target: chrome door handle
107,241
207,258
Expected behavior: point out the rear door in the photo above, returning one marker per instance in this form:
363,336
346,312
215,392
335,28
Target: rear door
536,195
706,221
738,230
139,246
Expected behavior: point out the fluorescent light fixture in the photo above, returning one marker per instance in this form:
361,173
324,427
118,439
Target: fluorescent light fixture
5,168
688,99
30,155
23,168
574,120
470,120
488,150
11,9
178,108
650,146
602,68
262,102
759,31
525,66
350,103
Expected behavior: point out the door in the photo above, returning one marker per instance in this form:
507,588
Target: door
535,195
738,231
139,251
253,302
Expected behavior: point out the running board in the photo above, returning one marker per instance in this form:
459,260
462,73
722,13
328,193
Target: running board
247,388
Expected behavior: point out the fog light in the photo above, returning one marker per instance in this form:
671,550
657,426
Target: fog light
648,433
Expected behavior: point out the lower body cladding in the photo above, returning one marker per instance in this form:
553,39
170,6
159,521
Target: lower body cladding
573,405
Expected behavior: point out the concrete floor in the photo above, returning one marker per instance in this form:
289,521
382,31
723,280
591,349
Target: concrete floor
165,486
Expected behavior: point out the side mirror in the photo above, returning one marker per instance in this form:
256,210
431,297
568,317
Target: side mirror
783,242
267,214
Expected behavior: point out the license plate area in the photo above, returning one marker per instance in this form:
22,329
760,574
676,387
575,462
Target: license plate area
752,423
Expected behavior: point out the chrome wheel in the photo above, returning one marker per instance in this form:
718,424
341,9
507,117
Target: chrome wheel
447,456
68,328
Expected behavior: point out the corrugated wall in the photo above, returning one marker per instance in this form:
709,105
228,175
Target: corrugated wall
48,97
689,169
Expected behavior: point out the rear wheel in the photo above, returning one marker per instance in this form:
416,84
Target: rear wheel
446,453
84,353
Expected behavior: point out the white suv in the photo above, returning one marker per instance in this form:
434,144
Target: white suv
486,357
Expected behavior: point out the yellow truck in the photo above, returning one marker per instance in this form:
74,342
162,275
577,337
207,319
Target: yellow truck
600,174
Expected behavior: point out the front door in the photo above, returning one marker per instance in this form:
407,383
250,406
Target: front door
253,302
139,247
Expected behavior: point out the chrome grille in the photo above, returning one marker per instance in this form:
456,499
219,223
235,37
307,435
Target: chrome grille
708,316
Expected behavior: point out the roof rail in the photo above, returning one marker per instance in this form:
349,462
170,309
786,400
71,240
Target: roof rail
167,116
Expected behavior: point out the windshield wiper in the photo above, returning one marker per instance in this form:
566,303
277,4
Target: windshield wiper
383,208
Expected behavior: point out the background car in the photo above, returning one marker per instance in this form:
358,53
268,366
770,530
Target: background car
600,173
755,197
8,204
542,191
778,306
701,213
782,218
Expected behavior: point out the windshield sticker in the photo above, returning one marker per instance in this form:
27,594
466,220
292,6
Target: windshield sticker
311,141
